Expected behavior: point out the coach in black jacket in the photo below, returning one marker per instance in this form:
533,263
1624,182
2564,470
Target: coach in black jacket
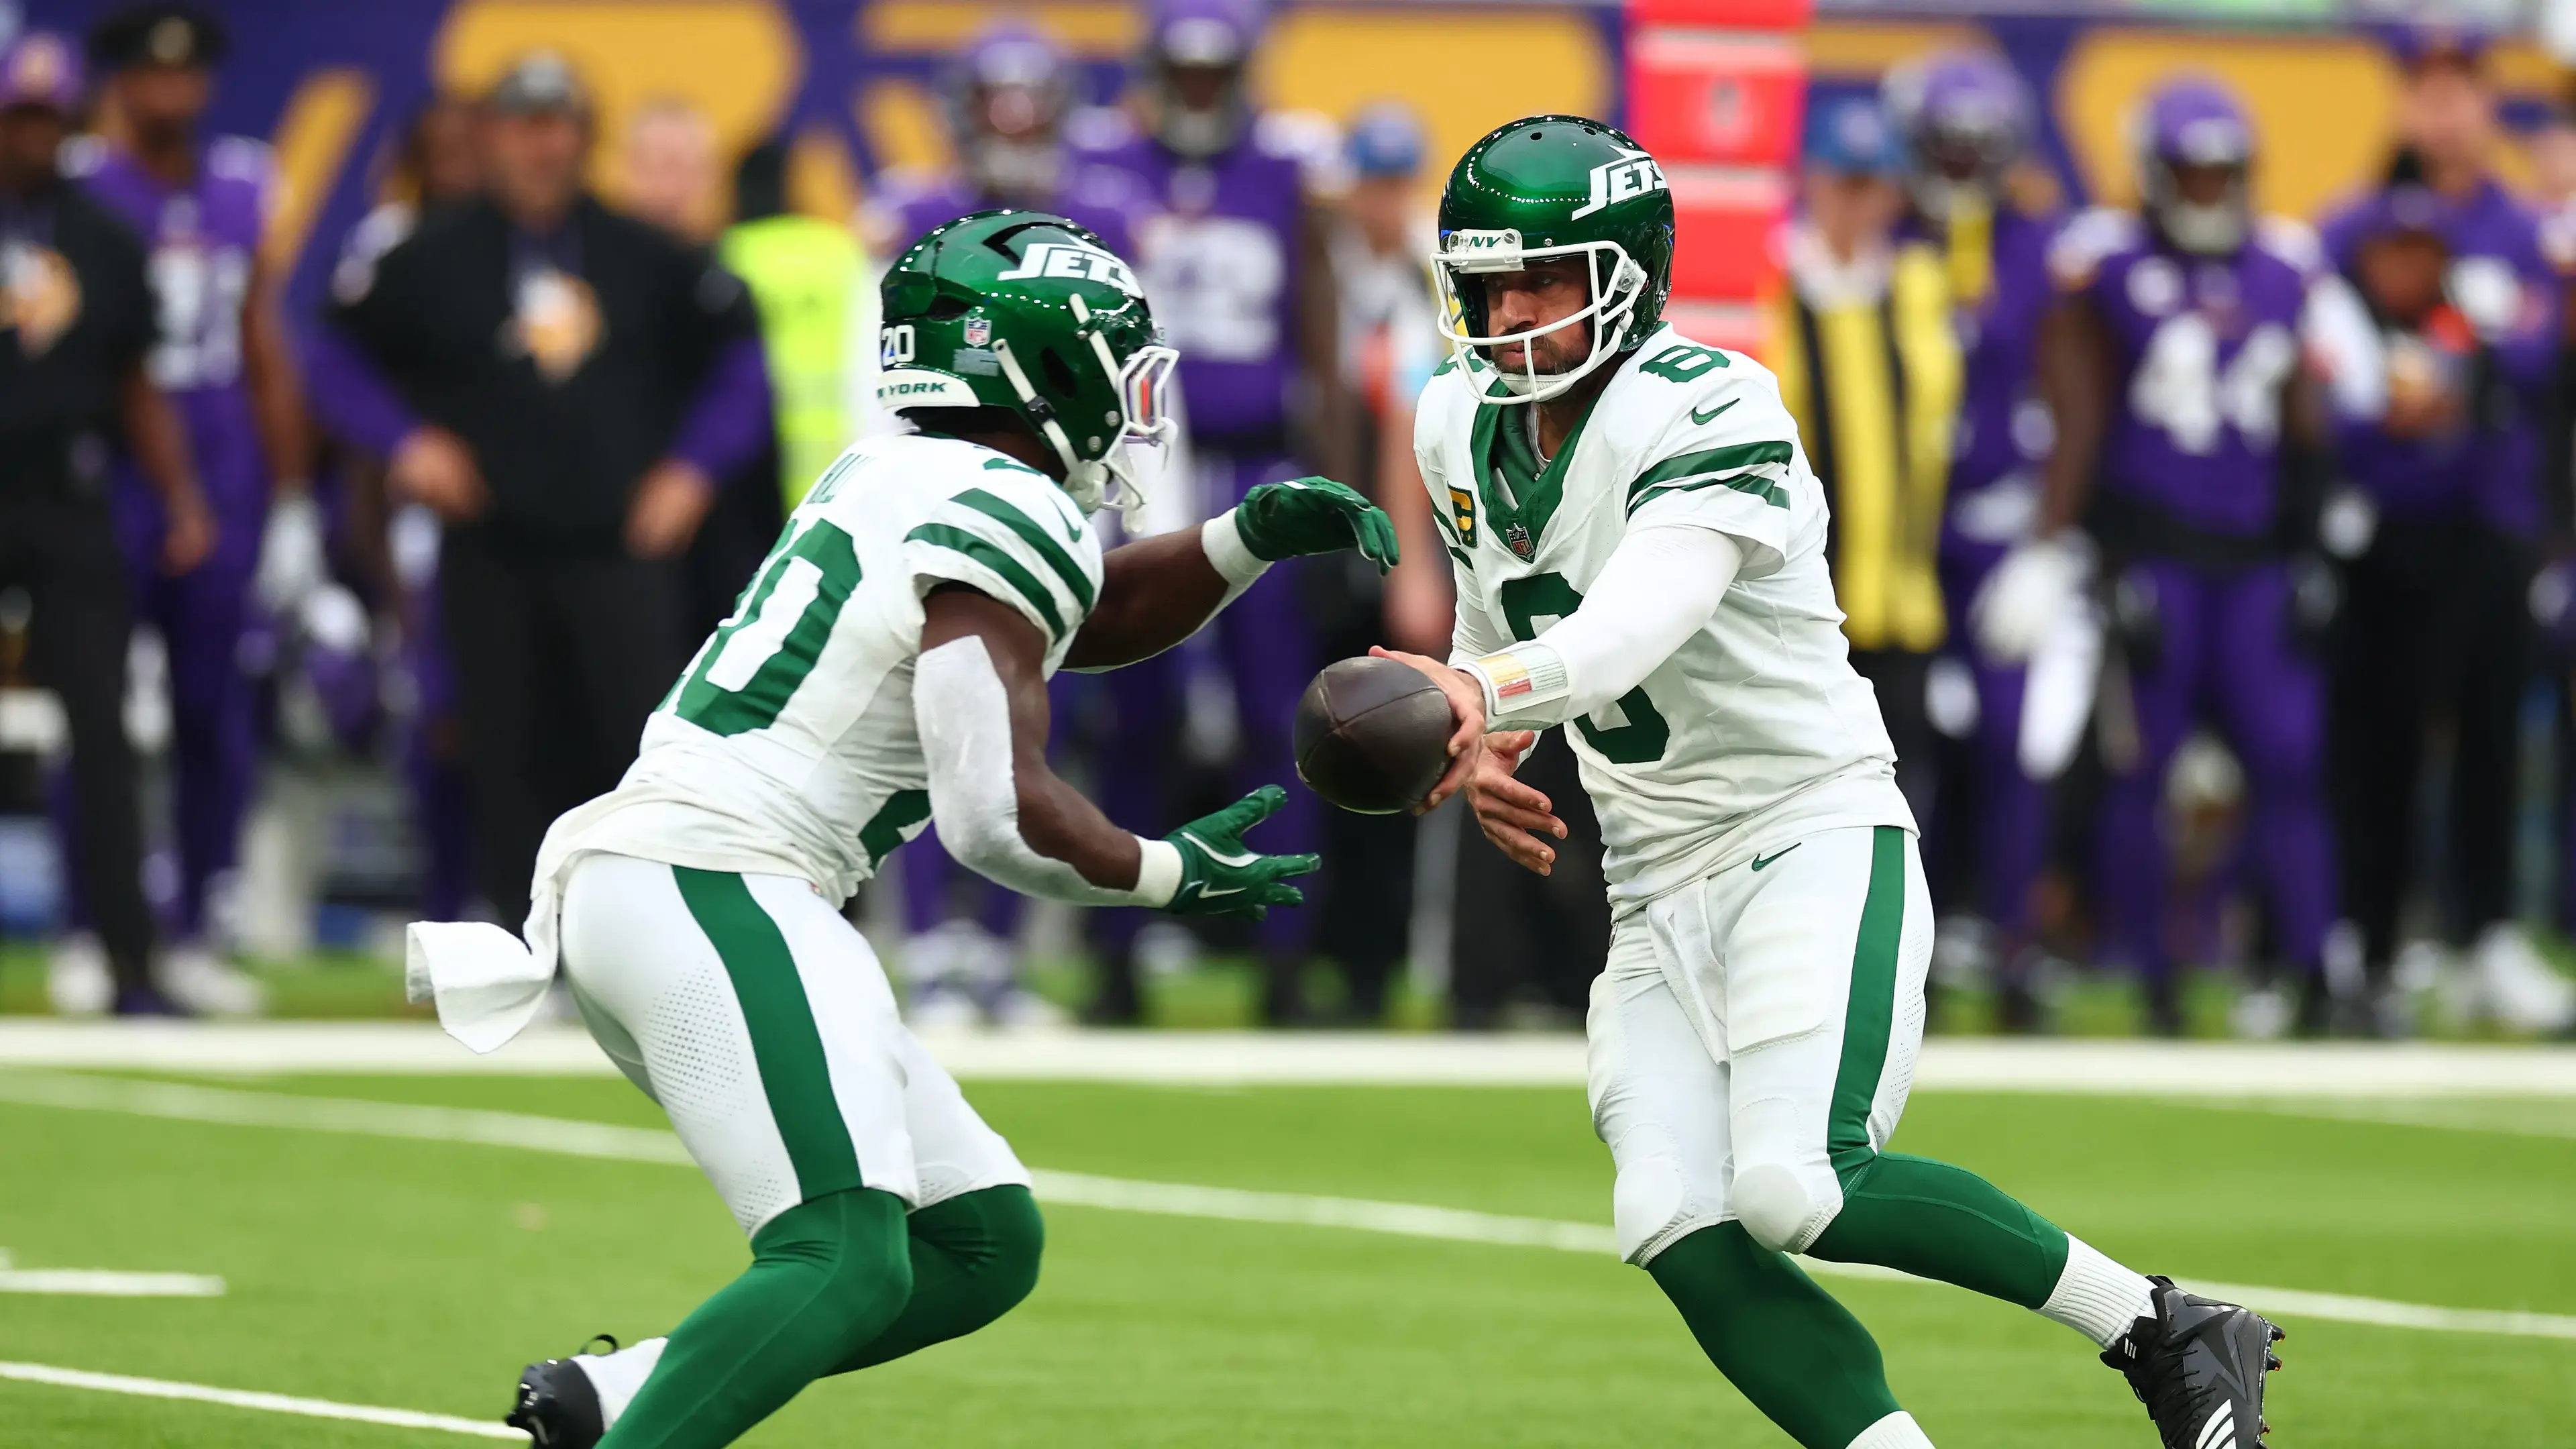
564,386
76,320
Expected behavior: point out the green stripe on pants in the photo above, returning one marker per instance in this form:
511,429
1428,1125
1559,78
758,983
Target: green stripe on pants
784,1040
1871,1008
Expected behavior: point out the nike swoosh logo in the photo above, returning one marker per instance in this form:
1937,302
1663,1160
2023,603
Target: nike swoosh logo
1208,895
1711,415
1237,861
1760,861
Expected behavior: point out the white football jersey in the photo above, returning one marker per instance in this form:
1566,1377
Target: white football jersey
788,745
1754,733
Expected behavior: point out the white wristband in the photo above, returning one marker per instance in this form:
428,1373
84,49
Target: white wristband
1525,678
1222,542
1158,872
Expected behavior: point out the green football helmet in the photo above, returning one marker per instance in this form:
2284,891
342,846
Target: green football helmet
1033,313
1555,186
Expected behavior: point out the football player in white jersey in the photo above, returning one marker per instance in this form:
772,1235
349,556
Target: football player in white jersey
1640,557
886,668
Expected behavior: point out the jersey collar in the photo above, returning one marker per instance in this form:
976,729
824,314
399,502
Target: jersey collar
1520,513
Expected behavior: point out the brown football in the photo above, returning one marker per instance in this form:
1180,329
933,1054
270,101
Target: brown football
1372,735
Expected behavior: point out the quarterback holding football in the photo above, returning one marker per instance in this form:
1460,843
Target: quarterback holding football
1640,557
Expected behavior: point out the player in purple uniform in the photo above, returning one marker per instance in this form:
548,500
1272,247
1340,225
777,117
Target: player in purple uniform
1007,97
2437,534
2178,367
1237,261
200,204
1966,119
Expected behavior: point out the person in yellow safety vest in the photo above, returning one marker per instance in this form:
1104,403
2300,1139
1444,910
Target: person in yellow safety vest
1869,365
814,288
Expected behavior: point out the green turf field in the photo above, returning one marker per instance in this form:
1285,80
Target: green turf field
419,1274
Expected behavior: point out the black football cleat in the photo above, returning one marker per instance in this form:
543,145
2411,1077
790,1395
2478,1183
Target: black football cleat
2198,1366
558,1407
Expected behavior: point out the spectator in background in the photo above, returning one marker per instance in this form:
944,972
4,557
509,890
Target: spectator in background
1869,365
200,203
1965,120
810,281
438,164
669,170
570,465
1390,338
1390,342
76,326
670,180
1237,260
2437,531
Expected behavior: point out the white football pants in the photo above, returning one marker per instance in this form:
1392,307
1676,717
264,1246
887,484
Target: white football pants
1753,1038
761,1022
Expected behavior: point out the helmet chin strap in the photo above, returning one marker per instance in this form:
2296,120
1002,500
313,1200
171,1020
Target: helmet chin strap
1108,481
1083,481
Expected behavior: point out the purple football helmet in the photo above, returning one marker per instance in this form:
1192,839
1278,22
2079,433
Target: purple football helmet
2196,124
1007,95
1965,116
1193,48
40,68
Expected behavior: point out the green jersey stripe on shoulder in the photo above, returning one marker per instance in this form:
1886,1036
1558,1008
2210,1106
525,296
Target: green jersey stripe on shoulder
1010,465
1762,488
1075,581
983,551
1694,470
827,487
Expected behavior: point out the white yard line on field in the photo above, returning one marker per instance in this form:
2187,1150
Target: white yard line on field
1227,1058
97,1283
2512,1116
1075,1189
101,1283
38,1373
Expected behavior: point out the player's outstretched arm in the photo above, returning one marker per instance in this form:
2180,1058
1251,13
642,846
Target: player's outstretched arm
1157,592
980,705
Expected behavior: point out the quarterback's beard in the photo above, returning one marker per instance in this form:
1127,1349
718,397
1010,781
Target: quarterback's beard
1550,354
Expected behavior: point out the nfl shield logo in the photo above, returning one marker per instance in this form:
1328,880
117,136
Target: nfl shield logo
1518,536
979,331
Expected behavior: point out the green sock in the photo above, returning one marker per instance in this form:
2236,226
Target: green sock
1781,1340
1937,1221
826,1276
974,1257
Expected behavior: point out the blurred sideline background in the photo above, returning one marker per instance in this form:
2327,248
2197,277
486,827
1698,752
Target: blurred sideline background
332,863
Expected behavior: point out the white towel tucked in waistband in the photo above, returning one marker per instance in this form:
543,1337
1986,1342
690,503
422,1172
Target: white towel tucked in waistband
488,983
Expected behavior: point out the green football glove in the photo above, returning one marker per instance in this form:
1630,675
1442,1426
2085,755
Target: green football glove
1314,515
1220,876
